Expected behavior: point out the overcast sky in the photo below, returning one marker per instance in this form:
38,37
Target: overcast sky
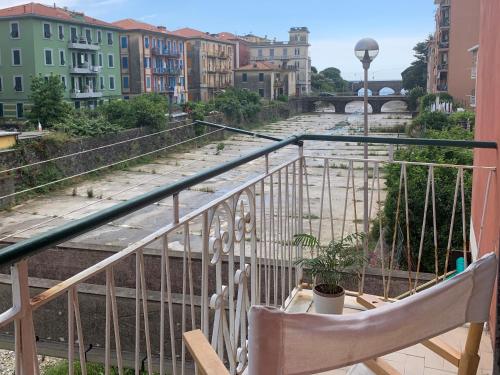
335,25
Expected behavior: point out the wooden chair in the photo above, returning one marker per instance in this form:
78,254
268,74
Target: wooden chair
326,341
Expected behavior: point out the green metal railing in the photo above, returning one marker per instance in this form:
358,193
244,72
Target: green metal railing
31,246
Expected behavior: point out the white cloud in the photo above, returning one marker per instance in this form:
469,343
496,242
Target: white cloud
396,54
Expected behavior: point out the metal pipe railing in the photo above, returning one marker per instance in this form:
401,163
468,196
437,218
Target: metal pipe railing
31,246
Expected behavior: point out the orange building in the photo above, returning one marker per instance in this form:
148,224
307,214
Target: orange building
486,238
450,60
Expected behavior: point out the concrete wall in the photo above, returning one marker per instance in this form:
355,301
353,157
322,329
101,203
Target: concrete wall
488,128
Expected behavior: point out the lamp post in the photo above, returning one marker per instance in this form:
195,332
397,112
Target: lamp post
366,50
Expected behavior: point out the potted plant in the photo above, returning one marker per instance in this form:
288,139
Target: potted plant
327,264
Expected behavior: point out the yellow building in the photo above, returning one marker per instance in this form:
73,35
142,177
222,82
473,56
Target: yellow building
7,139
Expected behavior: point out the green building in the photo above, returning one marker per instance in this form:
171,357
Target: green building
41,40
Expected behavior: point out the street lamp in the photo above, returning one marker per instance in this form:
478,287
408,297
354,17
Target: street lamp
366,50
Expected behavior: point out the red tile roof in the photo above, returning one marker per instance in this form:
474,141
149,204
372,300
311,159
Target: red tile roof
260,65
197,34
131,24
44,11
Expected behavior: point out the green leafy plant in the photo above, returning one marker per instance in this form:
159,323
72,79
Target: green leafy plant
328,263
47,95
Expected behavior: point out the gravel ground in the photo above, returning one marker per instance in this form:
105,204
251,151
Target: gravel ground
8,362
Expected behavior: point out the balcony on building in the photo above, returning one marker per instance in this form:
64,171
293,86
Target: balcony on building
169,53
85,94
85,69
222,240
83,44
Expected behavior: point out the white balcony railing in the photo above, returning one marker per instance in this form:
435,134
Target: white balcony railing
86,94
205,268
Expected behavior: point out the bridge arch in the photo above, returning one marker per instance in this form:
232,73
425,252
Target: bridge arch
361,92
384,91
356,106
395,106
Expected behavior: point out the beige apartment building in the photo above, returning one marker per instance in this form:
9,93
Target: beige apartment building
451,67
210,62
291,54
268,80
152,60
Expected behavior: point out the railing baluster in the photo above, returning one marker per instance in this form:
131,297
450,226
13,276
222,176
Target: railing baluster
330,200
204,275
137,348
485,204
71,334
407,216
170,303
79,330
321,201
434,226
395,234
464,207
422,233
452,223
144,297
348,183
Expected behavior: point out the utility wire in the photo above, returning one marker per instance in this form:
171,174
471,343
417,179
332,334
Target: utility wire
93,149
95,202
108,165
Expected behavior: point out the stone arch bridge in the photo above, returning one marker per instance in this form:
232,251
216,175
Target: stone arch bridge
309,103
376,86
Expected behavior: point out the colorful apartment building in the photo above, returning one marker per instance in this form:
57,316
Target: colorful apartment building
291,54
44,40
152,60
242,48
270,81
450,64
210,62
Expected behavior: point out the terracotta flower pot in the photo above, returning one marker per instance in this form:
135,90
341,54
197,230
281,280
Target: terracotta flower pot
327,303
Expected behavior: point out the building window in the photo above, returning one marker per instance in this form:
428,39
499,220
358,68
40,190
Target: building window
16,57
244,77
19,110
271,52
146,42
1,109
181,47
63,81
47,31
297,51
100,60
62,57
285,51
48,56
110,38
101,82
259,52
261,77
147,62
73,34
261,93
99,36
111,82
125,83
14,30
148,82
88,36
60,32
125,62
124,42
111,61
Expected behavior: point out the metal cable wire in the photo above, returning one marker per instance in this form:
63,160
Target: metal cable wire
107,165
93,149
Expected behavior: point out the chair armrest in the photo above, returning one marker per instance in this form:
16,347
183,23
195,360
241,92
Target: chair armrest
204,355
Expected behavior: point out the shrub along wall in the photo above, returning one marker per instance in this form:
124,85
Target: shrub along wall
36,150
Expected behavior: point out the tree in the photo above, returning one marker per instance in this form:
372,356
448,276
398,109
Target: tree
445,179
47,95
328,80
314,70
416,74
